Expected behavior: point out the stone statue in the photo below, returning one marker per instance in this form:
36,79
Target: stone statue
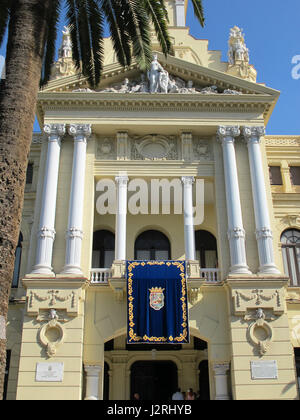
154,76
238,52
65,50
64,66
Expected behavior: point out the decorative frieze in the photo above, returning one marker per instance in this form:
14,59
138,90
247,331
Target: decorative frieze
155,147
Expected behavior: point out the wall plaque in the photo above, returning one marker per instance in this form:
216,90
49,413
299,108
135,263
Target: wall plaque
49,372
264,369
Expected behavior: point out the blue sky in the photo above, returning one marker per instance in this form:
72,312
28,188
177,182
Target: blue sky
272,34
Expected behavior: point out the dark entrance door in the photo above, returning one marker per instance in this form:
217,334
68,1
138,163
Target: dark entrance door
154,380
204,381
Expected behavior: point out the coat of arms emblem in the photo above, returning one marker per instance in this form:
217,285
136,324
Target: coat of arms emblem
157,298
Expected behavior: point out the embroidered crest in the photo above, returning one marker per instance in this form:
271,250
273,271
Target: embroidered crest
157,298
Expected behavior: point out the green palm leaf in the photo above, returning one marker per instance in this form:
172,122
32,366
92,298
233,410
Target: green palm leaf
158,13
117,25
198,10
137,25
49,54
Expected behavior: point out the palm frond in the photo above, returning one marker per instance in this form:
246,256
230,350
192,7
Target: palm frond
4,17
86,28
157,11
139,31
49,54
199,11
117,25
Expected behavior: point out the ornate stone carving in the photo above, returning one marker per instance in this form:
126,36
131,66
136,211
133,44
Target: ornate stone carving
291,220
158,80
55,130
154,147
236,233
46,232
243,301
260,332
52,334
80,131
64,65
253,133
238,52
106,149
53,299
202,149
238,56
227,133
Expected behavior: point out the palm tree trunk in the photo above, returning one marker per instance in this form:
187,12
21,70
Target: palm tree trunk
18,96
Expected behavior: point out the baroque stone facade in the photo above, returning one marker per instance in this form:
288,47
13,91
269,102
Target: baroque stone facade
193,129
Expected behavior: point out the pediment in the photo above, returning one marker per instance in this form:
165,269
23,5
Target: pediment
184,78
189,87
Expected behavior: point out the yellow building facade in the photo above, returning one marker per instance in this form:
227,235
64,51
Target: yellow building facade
169,165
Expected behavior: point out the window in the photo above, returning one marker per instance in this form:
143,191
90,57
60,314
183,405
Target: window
18,256
295,175
206,249
290,241
275,175
29,173
152,245
103,249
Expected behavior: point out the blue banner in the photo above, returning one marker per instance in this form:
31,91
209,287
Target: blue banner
157,302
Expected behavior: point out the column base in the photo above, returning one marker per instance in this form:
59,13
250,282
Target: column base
239,269
72,269
43,269
269,269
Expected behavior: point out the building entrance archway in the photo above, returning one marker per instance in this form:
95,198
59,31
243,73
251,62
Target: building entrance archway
154,380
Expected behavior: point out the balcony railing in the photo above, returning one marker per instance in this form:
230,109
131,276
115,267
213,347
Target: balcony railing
211,275
100,275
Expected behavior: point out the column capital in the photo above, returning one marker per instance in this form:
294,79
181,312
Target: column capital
122,180
55,130
221,368
92,370
80,131
227,133
253,133
187,180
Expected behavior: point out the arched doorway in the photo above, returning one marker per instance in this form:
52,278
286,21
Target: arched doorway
152,245
204,393
154,380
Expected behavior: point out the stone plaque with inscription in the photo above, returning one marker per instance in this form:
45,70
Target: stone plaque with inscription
264,369
49,372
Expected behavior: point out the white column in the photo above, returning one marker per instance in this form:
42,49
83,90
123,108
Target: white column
264,234
189,234
236,232
74,233
92,382
121,216
221,381
180,12
46,233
